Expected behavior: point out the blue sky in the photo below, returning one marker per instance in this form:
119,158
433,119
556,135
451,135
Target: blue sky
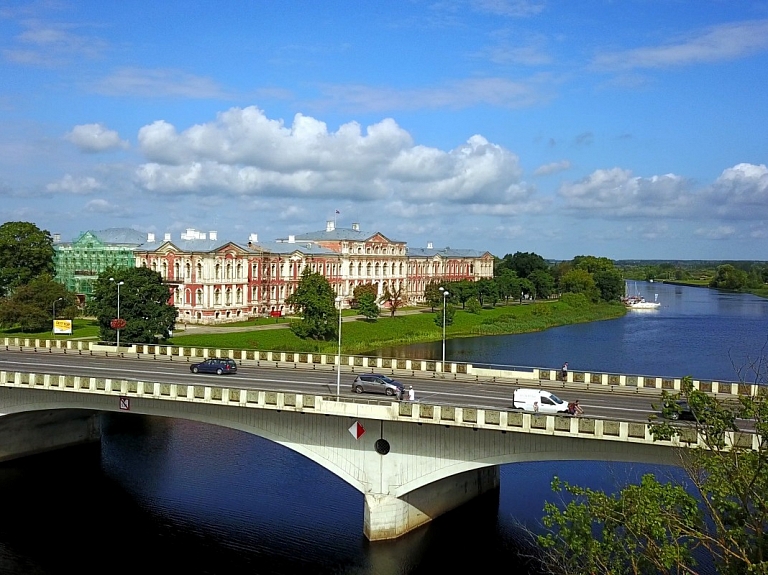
616,128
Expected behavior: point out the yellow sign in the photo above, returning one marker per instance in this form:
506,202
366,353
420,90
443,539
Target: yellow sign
62,326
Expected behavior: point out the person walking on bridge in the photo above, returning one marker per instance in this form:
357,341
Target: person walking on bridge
564,372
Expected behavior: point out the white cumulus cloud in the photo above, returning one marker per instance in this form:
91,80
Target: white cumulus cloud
93,138
618,193
73,185
244,153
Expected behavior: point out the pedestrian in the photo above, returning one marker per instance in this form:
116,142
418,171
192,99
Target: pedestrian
400,391
411,393
536,407
564,372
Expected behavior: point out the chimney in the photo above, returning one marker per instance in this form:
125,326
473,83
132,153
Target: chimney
167,237
291,239
330,225
213,235
150,237
253,238
429,245
356,227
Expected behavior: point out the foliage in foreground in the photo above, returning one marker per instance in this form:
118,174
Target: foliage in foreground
657,528
143,304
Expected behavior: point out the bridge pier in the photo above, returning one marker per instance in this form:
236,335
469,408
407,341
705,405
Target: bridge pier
35,432
388,517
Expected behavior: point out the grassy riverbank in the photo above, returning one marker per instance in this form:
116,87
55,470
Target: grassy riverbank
360,335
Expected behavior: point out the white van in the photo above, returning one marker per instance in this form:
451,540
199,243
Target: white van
538,400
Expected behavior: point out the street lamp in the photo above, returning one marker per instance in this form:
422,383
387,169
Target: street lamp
445,296
53,330
118,284
339,299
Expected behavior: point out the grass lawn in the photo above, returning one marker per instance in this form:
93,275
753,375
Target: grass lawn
81,329
361,335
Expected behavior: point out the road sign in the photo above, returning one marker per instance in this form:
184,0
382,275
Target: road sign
357,430
117,323
125,403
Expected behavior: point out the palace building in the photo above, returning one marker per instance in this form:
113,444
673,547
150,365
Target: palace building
217,281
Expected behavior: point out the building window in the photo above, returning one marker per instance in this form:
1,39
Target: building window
199,297
239,296
217,297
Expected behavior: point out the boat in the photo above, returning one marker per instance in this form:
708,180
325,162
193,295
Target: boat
639,302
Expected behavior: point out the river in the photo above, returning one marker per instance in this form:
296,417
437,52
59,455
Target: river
181,497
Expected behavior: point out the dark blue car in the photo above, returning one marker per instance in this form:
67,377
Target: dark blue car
214,365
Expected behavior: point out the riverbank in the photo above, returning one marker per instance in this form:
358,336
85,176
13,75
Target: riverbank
417,326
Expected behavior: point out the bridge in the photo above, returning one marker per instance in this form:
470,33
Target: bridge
411,461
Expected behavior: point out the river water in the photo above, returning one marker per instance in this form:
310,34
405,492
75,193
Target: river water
180,497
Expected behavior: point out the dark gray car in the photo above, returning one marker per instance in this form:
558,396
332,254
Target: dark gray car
377,383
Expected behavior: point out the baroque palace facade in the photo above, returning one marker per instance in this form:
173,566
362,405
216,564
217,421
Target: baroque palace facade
216,281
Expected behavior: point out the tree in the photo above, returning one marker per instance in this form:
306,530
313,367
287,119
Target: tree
314,299
432,294
543,283
474,305
450,312
523,263
31,306
579,281
394,298
367,306
144,305
358,292
592,264
654,527
729,277
462,291
609,283
26,252
509,285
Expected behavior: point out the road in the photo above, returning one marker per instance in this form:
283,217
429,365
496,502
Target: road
621,405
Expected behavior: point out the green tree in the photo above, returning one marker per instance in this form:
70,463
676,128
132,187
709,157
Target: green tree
655,527
367,306
31,305
508,285
358,292
543,283
609,283
394,298
315,300
450,312
579,281
432,294
592,264
474,305
26,252
523,263
729,277
462,291
144,305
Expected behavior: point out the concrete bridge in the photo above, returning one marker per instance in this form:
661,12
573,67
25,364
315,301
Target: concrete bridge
411,461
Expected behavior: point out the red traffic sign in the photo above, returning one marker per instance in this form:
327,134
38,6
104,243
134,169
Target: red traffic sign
357,430
117,323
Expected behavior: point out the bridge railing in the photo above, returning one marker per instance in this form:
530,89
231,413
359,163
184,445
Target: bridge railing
413,412
460,371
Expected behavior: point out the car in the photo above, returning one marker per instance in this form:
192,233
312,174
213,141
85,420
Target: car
215,365
678,409
538,400
377,383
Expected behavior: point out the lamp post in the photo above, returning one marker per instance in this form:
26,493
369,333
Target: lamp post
339,299
445,296
53,330
118,284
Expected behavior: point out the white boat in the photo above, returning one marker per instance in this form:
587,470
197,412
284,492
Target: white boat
639,302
